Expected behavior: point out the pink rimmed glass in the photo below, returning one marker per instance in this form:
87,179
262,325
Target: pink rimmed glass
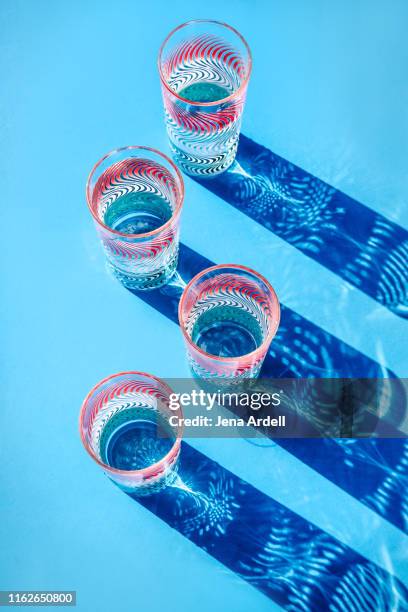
229,315
125,426
204,69
135,195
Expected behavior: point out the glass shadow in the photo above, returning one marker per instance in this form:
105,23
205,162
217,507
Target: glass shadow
366,249
290,560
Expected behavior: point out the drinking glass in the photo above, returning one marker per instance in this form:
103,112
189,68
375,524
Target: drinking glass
229,315
135,195
204,69
124,426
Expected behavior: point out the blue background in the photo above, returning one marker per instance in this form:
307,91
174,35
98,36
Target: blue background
329,93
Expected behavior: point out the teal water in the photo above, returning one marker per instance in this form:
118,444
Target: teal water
227,331
137,213
204,91
135,438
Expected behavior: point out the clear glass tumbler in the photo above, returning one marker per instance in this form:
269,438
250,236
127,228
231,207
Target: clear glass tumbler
124,425
229,315
204,69
135,195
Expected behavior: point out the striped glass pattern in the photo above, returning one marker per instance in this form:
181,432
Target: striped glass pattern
231,297
204,68
144,256
136,398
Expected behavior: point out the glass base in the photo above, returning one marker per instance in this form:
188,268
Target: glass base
202,167
150,488
221,376
145,282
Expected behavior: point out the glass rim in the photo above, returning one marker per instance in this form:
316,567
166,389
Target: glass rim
156,231
221,100
105,466
271,334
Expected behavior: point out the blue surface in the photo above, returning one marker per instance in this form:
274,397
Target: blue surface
329,94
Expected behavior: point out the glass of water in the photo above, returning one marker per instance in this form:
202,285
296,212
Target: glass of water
135,195
229,315
204,69
125,426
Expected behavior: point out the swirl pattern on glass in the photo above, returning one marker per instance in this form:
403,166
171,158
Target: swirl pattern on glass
204,138
147,260
145,399
226,300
